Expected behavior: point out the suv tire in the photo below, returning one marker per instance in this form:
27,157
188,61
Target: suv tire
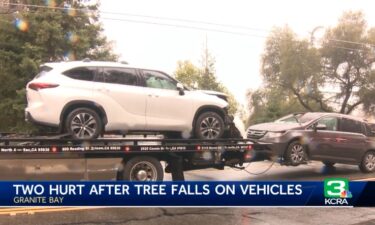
367,164
209,125
83,123
295,153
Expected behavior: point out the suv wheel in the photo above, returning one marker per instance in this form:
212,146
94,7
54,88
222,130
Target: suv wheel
368,162
295,153
84,123
209,125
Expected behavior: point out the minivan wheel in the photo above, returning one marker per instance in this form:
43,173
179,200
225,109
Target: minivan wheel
368,162
295,153
83,123
209,125
143,168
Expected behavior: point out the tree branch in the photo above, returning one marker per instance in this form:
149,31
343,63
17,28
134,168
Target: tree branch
321,104
352,107
348,91
299,97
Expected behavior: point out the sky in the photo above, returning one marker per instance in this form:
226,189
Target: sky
237,50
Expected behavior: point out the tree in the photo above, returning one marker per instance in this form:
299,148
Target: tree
32,35
203,78
187,73
337,76
348,59
293,66
270,104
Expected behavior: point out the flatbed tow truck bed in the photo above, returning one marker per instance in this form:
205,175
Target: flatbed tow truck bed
138,159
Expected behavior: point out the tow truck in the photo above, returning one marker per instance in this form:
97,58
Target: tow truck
134,159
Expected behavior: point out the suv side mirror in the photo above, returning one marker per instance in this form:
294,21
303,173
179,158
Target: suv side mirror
320,126
180,88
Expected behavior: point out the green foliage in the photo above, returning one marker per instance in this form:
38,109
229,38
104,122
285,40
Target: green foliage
203,78
338,75
349,64
188,74
293,66
270,104
30,36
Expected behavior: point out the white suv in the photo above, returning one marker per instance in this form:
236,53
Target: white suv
87,98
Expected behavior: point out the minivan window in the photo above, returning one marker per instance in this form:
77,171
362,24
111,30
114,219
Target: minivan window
81,73
124,76
159,80
353,126
329,122
369,130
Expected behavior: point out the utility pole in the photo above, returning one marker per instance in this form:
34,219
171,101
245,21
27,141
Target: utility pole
206,58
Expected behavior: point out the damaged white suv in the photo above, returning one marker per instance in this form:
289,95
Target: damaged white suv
89,98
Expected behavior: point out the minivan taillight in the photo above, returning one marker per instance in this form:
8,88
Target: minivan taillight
38,86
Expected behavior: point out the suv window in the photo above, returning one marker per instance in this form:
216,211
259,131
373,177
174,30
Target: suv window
353,126
43,70
159,80
330,122
81,73
124,76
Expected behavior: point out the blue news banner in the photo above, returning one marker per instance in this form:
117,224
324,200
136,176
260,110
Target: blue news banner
331,192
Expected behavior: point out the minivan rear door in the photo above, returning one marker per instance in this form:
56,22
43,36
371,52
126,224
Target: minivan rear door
351,142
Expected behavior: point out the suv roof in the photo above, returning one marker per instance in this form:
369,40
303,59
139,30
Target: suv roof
65,65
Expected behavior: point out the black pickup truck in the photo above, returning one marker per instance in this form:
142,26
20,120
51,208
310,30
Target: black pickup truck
327,137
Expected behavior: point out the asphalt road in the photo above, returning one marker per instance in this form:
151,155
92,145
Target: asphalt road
310,171
217,216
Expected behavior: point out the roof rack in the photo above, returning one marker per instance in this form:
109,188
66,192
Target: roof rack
86,60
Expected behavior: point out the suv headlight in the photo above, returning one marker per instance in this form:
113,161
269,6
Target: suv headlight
273,134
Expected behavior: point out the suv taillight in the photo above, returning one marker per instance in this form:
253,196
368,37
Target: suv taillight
38,86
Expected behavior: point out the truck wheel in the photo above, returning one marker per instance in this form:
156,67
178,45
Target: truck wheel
83,123
295,153
209,125
367,164
143,168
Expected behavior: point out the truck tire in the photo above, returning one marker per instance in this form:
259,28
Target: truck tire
295,153
83,124
367,164
143,168
209,125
